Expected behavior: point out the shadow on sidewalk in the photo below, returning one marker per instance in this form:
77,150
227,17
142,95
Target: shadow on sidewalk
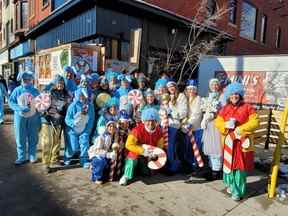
22,190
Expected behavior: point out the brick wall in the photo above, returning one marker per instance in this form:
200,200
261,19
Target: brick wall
277,16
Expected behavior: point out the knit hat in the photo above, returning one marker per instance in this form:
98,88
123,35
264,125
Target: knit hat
161,83
191,83
212,81
112,102
171,83
81,91
149,92
94,77
234,88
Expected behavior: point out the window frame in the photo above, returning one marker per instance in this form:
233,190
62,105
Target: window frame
43,6
255,23
233,11
263,31
31,8
278,37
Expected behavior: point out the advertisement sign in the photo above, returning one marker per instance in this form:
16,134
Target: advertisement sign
84,60
265,78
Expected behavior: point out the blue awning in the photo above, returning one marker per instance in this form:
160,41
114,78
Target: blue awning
22,49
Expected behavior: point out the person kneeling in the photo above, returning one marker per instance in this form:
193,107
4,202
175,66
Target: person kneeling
102,152
147,132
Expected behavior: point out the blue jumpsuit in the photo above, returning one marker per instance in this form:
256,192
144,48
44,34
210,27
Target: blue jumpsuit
78,140
26,128
3,94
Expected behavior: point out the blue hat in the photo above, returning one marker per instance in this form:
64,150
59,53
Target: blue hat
94,77
25,75
112,102
191,83
234,88
150,114
171,82
69,69
149,92
124,78
161,83
79,92
123,116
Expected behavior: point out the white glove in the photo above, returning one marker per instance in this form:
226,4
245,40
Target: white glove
230,124
148,153
111,155
237,133
204,123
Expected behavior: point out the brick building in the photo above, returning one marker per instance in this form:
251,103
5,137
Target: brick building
263,34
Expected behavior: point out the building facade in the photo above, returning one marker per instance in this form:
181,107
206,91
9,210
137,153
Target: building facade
257,26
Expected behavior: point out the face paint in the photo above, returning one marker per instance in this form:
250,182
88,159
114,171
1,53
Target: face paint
150,125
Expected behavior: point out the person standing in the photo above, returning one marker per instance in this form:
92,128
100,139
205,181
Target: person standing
26,119
52,124
3,95
237,122
212,146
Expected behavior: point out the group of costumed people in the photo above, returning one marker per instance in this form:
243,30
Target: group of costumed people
117,126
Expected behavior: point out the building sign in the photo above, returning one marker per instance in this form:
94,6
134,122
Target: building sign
4,57
22,49
265,78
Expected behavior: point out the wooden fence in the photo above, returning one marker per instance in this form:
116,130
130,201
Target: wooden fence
268,132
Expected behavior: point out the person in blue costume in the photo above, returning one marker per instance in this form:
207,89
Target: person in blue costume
125,86
12,83
26,119
160,88
141,81
104,85
79,119
3,95
112,81
150,100
70,83
94,86
108,113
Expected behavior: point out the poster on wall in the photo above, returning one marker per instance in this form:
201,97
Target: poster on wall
44,68
84,60
117,65
261,87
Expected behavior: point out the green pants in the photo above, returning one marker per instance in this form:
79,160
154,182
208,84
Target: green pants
131,165
236,182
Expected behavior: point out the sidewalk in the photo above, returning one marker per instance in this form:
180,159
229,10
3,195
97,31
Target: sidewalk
26,191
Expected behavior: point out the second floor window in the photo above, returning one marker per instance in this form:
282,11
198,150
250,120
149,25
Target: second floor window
278,38
248,21
45,3
232,11
21,15
211,7
263,28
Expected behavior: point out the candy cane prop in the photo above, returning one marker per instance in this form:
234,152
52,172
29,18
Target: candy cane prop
196,151
43,102
113,163
135,97
228,149
161,157
164,124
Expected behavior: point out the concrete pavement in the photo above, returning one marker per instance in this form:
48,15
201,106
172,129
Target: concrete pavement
27,191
